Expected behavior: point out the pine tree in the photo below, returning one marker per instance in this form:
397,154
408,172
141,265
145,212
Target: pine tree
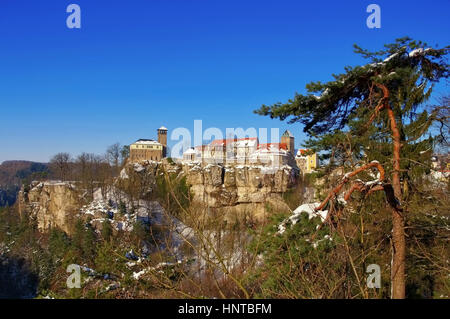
106,230
78,236
122,208
371,117
58,243
89,244
84,240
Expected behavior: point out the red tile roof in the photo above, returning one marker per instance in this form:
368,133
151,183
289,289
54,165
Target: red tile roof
231,140
276,145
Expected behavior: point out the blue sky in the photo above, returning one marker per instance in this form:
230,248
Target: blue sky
138,64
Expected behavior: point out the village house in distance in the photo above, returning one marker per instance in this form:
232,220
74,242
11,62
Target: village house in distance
306,162
150,150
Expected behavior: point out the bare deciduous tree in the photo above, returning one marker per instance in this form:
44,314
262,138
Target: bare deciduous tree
113,155
60,165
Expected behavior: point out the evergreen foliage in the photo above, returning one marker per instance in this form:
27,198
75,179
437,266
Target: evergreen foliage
377,112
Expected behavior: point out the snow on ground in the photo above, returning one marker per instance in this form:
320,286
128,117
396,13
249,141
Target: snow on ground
158,268
36,184
123,174
108,202
147,212
98,207
138,167
151,212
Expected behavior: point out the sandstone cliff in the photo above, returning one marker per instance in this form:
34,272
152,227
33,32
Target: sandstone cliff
51,203
238,189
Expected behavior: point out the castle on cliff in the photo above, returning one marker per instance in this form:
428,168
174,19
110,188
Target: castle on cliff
248,150
150,150
239,151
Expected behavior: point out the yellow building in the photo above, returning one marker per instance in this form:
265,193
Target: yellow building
149,150
307,162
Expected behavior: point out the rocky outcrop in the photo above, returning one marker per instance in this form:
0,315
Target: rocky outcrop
53,204
231,189
240,188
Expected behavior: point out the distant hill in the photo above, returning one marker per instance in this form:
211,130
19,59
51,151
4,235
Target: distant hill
13,174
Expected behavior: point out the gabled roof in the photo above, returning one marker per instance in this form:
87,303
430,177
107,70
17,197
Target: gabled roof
243,142
302,152
287,133
145,141
231,140
280,146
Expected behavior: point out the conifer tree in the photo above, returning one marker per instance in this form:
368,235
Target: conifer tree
372,117
107,230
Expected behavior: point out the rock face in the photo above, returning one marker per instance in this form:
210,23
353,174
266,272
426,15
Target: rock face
242,188
238,189
51,203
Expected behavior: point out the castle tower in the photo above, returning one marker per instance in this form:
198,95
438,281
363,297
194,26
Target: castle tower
288,139
162,139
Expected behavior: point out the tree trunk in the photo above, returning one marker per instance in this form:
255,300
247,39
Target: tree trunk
398,256
398,222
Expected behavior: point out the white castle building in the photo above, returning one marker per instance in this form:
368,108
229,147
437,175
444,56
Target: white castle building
243,151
